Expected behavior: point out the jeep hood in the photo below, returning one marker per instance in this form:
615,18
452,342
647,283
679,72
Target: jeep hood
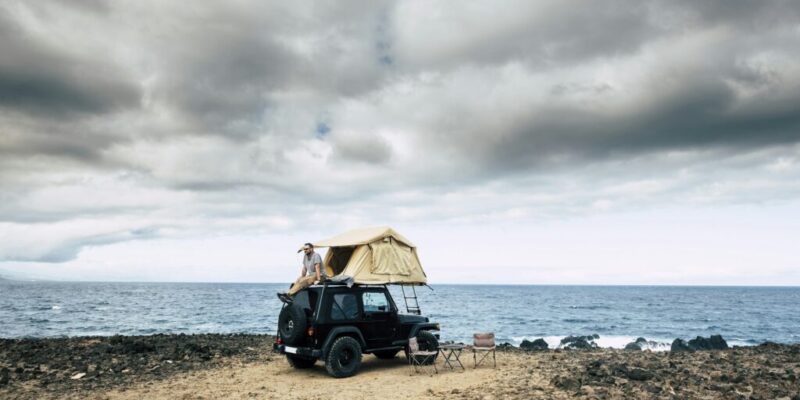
411,319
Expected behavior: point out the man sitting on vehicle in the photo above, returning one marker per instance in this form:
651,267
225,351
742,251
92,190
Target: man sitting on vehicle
313,273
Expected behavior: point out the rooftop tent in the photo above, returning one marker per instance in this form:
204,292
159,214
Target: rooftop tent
373,256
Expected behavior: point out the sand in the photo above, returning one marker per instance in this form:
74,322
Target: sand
383,379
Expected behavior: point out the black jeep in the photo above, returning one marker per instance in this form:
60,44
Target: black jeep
337,324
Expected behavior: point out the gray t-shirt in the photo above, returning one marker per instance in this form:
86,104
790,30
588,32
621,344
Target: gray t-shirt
309,260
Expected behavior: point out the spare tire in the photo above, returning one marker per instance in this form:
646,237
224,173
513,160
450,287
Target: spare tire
292,324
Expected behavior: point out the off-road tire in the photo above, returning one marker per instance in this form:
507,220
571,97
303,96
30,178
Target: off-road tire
386,354
292,324
426,342
300,362
344,357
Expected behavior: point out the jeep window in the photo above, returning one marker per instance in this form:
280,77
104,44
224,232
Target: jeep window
345,306
375,302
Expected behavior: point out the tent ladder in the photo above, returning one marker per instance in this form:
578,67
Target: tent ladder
410,298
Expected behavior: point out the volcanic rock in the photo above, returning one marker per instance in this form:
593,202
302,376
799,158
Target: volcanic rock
538,344
714,342
679,345
5,376
639,374
580,342
633,346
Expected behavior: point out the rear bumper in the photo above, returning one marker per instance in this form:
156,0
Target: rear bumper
300,351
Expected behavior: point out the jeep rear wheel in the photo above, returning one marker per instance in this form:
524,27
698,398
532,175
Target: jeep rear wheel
292,324
344,357
299,362
386,354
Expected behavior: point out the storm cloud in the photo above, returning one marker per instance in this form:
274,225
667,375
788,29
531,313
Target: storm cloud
128,121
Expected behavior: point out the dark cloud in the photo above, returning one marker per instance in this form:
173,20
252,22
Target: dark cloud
37,78
702,114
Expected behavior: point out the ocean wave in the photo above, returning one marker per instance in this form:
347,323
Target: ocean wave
610,342
592,307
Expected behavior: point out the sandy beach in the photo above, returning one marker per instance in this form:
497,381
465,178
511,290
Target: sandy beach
244,367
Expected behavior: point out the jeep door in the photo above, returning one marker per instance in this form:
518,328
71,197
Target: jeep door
380,319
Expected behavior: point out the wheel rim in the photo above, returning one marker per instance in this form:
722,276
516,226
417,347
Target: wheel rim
346,357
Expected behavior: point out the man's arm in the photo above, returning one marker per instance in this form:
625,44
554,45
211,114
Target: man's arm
303,273
317,267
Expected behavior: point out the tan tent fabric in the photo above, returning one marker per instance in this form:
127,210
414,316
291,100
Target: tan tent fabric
373,256
362,236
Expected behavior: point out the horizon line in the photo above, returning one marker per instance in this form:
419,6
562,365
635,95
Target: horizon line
32,280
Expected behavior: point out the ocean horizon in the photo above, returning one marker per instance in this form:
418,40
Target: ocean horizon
743,315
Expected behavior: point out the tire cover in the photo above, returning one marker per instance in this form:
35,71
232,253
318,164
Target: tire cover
292,324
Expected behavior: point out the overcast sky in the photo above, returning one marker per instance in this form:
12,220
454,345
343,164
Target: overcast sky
603,142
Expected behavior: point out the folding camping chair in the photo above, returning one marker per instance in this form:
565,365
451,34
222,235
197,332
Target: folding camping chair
417,357
483,343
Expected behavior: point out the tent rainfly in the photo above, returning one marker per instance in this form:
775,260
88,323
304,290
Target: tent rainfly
373,256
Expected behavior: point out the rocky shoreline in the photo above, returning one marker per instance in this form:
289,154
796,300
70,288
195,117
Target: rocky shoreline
96,366
97,363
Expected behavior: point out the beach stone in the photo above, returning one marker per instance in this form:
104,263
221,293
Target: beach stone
538,344
78,376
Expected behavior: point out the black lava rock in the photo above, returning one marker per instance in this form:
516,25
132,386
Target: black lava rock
679,345
633,346
639,374
714,342
580,342
5,376
538,344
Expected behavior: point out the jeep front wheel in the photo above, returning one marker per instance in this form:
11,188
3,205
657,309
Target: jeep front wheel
344,357
299,362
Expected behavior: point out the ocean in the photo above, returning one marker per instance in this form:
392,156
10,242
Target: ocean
618,314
